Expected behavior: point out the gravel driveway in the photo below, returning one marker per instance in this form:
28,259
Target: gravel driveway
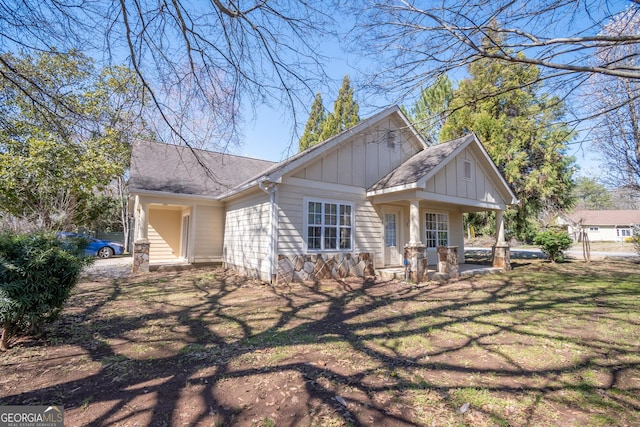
109,268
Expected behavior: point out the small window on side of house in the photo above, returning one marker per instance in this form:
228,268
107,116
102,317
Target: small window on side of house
466,165
391,140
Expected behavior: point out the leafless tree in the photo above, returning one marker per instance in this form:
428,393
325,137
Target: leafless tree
215,54
418,41
616,104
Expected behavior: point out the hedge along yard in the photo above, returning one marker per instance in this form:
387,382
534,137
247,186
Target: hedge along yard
544,344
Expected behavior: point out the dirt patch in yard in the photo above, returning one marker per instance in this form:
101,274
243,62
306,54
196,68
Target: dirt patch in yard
542,345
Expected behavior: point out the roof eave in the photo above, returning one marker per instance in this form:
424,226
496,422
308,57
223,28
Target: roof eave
144,192
249,186
394,189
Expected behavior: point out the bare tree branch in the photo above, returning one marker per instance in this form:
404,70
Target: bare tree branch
223,53
417,42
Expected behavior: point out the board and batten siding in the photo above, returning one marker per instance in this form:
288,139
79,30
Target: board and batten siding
208,233
450,181
246,235
365,158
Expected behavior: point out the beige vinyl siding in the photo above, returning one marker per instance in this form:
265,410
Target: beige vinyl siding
246,235
343,175
164,234
208,233
291,200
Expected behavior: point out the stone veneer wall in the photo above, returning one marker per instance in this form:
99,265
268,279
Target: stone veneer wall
300,268
140,262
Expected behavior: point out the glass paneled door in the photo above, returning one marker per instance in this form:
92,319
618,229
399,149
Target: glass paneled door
392,237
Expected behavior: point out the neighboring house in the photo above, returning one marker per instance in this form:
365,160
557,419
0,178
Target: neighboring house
356,202
603,225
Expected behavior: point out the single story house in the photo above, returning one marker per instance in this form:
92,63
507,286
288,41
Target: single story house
601,225
373,196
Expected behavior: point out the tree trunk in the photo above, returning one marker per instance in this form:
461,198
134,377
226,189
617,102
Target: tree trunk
4,341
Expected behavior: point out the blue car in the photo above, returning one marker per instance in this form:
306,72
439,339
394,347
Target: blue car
98,248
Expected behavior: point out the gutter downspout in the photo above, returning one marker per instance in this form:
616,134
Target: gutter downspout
270,188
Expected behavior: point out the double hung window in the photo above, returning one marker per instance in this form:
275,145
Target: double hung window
329,225
437,230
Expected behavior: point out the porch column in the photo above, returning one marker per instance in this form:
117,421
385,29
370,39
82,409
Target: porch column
414,223
501,253
141,244
415,252
500,227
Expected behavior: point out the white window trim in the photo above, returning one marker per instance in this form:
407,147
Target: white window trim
424,216
305,224
620,232
464,170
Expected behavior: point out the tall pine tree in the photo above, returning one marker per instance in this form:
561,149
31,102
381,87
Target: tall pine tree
522,130
321,126
429,113
313,128
345,112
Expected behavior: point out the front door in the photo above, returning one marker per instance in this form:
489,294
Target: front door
392,250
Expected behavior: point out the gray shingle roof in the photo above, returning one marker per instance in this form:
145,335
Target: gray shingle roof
419,165
176,169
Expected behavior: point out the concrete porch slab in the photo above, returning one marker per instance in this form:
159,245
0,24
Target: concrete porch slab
466,270
180,265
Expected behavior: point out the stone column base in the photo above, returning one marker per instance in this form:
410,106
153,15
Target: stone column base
140,262
448,261
501,256
416,259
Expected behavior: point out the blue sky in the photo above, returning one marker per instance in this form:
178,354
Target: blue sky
269,135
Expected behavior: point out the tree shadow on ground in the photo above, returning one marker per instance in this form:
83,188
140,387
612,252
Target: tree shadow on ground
210,347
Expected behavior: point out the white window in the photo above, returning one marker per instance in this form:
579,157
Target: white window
437,229
329,225
466,165
593,228
624,232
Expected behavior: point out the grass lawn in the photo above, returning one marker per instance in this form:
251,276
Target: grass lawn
541,345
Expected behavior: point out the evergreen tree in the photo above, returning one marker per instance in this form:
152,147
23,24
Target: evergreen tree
313,128
591,195
520,126
345,112
429,113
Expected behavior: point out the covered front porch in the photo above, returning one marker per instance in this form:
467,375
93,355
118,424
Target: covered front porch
166,228
422,205
423,239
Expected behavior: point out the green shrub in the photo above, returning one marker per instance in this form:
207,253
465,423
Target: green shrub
553,244
37,274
